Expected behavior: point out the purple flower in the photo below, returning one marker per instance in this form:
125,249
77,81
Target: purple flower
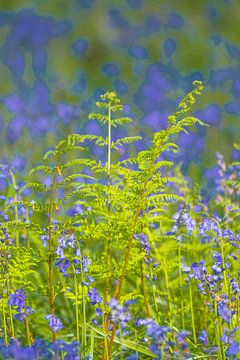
54,323
169,47
44,239
233,349
17,299
138,52
203,337
224,312
134,4
63,264
94,296
80,46
143,239
110,70
119,314
85,263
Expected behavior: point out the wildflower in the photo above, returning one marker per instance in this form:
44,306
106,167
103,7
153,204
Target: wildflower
63,264
224,312
225,338
181,338
233,349
119,313
54,323
94,296
142,238
44,239
17,299
203,337
85,263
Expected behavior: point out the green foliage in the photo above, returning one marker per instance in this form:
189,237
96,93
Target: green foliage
111,204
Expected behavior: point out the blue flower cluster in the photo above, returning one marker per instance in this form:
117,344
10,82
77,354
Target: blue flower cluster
54,323
40,349
17,300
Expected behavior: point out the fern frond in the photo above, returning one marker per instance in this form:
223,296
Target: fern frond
125,141
35,185
44,168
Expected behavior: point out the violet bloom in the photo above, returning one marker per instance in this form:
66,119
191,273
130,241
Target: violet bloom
17,299
54,323
94,296
142,238
119,314
203,337
63,264
233,349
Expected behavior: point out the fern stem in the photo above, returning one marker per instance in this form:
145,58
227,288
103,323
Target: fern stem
124,269
50,249
108,240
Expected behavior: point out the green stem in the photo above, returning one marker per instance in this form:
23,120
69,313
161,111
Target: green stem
221,355
168,292
192,313
4,323
77,310
11,321
148,232
28,331
146,303
108,240
50,249
15,206
181,285
224,273
84,333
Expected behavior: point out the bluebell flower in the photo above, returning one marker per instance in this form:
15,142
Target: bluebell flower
71,240
134,4
110,70
80,46
54,323
63,264
225,338
17,299
138,52
174,21
224,312
143,239
233,349
203,337
169,47
235,286
119,314
85,263
94,296
44,239
120,87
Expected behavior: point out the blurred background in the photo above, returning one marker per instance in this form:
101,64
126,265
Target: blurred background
57,57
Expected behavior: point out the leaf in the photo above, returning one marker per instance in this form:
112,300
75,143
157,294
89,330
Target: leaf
127,343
